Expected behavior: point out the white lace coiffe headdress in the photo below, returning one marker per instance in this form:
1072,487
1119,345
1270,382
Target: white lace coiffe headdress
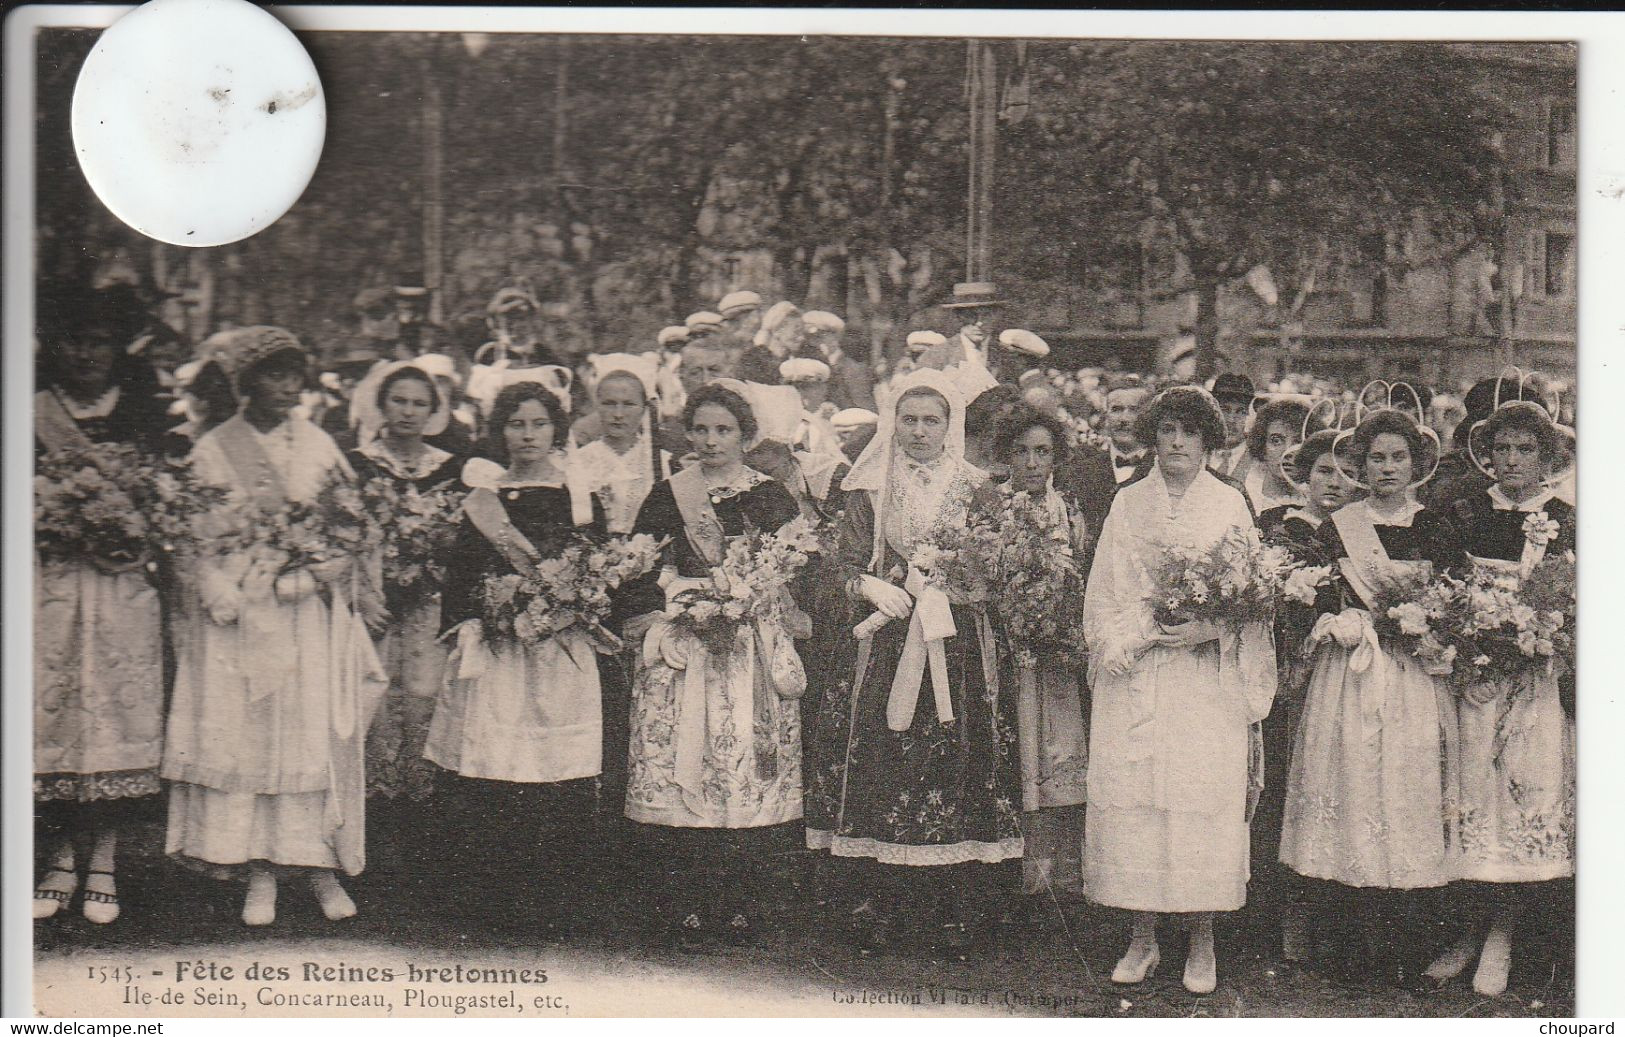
367,418
1478,448
485,382
1381,397
777,409
1311,426
645,368
870,470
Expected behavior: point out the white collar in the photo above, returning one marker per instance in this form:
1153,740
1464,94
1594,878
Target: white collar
101,407
431,458
1302,514
1501,502
1402,518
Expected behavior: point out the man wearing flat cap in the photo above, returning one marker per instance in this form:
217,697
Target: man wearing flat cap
1235,395
850,382
741,314
1020,349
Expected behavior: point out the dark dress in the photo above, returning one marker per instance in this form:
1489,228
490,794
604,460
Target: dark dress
937,793
514,825
413,657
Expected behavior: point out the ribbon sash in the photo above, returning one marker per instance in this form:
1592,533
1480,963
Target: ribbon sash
700,523
931,623
1367,561
255,472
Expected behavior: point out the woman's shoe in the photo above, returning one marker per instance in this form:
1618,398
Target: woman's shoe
53,892
740,931
1201,969
99,906
691,934
259,906
1494,963
1453,962
1138,964
336,903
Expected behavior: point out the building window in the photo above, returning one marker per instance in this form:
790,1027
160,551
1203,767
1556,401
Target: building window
1559,269
730,270
1549,264
1560,135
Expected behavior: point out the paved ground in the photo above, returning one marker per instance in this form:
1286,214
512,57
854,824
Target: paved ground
411,916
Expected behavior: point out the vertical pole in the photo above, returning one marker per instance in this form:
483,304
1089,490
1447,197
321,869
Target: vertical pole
434,175
561,84
973,83
987,138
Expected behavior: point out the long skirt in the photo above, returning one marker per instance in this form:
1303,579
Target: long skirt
511,712
1054,747
416,663
1169,761
98,684
1517,785
716,736
938,793
266,739
1371,792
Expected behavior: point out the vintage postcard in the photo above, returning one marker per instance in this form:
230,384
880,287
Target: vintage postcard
736,520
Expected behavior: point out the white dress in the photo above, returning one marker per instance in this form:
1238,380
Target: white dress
1371,789
1166,823
271,706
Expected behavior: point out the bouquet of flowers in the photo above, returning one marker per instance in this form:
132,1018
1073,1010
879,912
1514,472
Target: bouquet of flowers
752,582
1038,587
1237,580
570,590
1505,627
340,520
1410,616
420,527
111,502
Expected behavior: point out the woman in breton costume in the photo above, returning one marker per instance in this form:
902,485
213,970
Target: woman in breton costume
915,763
518,727
715,763
622,465
1371,789
98,676
394,410
1051,697
1170,747
1313,468
278,678
1277,427
1517,740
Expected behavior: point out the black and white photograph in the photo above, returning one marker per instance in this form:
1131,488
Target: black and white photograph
816,525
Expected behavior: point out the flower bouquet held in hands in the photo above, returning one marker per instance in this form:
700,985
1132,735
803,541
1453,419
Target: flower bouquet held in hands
110,503
1410,615
751,583
1038,588
1239,579
960,560
420,528
572,589
1508,628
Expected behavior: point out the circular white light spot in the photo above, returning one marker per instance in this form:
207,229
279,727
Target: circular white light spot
198,122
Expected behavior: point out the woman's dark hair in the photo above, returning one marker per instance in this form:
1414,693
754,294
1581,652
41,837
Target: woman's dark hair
923,392
1522,419
620,374
508,401
1024,419
409,374
983,413
1291,412
1191,406
728,400
1309,452
1397,423
212,390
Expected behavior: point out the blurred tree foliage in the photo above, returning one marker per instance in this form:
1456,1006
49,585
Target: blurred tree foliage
673,148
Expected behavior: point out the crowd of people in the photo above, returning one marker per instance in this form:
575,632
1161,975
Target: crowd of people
941,769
